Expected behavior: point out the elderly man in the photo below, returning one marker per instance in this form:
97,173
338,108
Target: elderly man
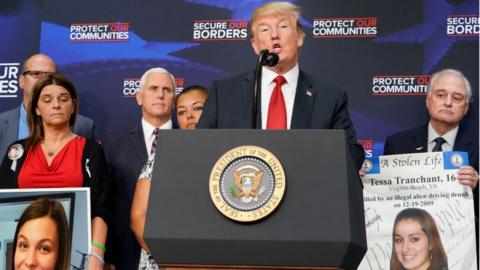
13,123
290,98
448,96
127,151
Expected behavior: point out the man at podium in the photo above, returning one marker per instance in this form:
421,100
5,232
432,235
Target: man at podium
290,98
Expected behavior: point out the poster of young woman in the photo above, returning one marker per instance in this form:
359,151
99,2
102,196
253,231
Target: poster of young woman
417,214
46,228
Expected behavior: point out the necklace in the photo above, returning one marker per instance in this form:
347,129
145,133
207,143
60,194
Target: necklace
50,152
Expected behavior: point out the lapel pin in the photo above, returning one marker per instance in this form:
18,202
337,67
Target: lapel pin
14,153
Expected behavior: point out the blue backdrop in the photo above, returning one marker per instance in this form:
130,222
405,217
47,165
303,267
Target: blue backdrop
105,46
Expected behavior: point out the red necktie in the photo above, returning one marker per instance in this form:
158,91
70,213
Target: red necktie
277,114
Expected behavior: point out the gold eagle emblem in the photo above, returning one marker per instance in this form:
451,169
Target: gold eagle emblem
247,182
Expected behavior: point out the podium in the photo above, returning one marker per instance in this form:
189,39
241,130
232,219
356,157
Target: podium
319,223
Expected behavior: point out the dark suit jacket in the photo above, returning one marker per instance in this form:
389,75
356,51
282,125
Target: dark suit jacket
316,106
126,154
9,128
415,141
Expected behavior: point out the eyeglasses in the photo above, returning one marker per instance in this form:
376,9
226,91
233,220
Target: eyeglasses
36,73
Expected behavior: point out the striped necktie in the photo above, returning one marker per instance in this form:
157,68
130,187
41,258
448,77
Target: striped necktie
155,141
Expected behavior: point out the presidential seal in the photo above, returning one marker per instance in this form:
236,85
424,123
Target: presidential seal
247,183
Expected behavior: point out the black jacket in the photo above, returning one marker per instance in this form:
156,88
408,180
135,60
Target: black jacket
95,176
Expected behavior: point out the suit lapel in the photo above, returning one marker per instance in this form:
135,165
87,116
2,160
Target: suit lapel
247,99
138,142
463,142
11,128
303,104
419,140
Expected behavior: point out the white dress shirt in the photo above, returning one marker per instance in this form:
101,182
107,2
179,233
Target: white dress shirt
288,90
148,132
449,137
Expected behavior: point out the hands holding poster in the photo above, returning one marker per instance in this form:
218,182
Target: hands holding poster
417,214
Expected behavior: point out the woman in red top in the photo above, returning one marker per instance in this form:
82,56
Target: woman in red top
52,156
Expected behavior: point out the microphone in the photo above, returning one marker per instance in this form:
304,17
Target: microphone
268,58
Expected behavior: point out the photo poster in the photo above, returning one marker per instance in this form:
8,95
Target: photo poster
75,202
426,181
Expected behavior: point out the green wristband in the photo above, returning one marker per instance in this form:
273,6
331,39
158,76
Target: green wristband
99,245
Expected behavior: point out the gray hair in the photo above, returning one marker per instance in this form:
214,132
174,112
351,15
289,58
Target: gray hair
155,70
454,72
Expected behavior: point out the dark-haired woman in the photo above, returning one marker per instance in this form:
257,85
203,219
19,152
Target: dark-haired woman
189,105
52,156
42,239
416,242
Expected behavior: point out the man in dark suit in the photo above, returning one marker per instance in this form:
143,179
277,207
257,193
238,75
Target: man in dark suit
13,123
290,98
127,151
448,97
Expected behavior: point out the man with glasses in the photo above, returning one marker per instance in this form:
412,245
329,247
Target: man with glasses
13,123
